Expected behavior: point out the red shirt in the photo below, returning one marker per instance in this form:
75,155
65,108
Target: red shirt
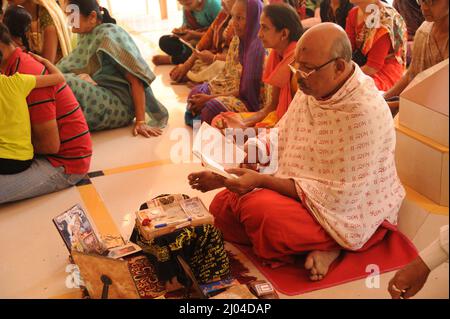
57,102
377,55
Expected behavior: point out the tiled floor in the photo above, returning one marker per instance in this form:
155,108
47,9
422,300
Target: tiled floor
34,259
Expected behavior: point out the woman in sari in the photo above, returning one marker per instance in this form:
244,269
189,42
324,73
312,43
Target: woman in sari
198,15
379,47
110,78
430,46
280,30
48,35
212,47
238,87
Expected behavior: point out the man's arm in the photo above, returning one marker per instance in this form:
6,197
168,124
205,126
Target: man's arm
249,180
409,280
282,186
437,253
45,137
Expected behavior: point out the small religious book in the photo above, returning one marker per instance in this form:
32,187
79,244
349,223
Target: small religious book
217,287
190,46
167,214
80,235
235,292
77,231
216,152
122,251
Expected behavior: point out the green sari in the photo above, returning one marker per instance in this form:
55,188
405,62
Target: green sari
105,55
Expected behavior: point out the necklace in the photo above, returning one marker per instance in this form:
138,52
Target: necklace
441,54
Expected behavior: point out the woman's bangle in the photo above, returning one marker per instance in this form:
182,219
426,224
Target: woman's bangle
140,122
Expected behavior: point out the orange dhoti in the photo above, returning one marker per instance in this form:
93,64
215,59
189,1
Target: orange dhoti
278,227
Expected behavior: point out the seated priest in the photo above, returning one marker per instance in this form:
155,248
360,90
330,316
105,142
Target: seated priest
336,186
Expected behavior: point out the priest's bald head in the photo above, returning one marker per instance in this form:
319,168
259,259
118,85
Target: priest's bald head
323,60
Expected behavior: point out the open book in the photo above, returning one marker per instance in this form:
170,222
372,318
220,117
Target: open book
190,46
216,152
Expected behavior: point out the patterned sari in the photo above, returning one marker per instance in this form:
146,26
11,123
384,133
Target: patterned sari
366,38
242,73
276,74
426,52
217,40
105,55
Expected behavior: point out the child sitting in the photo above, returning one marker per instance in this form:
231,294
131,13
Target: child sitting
16,149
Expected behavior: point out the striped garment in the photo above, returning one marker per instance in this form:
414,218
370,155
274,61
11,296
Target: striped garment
58,103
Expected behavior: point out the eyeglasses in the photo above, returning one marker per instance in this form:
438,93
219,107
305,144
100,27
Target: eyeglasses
427,2
304,74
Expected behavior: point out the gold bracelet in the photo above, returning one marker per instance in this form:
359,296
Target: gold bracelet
140,122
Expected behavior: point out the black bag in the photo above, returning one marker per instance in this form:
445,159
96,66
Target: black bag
359,58
181,253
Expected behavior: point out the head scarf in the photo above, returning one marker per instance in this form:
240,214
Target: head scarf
251,55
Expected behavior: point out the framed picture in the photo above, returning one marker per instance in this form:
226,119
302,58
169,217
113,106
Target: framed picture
77,231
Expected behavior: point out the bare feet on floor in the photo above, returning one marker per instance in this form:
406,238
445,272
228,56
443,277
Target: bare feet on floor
161,60
318,262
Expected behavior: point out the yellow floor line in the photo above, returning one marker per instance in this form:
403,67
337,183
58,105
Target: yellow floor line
136,167
100,216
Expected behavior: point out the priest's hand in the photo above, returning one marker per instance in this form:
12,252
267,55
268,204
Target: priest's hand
247,180
206,181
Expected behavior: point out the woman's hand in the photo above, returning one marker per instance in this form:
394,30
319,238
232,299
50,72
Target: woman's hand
145,130
232,120
198,101
246,182
180,31
188,35
206,56
179,72
393,104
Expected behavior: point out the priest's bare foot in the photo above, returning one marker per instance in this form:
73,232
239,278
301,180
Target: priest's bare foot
161,60
318,262
206,181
